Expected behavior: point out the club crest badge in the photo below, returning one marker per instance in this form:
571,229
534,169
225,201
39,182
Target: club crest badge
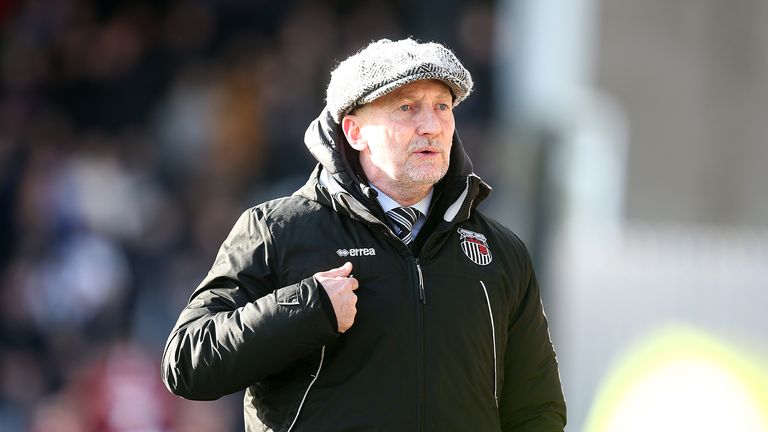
475,247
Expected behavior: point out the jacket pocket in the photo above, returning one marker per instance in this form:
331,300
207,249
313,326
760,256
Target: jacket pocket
492,325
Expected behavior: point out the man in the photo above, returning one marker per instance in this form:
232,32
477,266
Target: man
375,298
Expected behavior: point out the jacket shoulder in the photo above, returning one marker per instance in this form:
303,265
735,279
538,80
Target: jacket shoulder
284,209
290,218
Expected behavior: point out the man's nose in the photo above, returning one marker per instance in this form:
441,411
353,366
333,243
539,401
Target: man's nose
429,123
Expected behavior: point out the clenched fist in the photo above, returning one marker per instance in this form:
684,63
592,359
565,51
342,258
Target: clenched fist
340,288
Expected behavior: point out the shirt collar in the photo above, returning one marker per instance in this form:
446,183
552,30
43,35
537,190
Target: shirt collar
387,203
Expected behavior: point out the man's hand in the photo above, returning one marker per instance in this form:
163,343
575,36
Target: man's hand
340,288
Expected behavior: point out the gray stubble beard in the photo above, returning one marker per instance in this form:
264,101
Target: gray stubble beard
414,173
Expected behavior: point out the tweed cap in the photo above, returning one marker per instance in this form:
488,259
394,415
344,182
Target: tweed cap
385,65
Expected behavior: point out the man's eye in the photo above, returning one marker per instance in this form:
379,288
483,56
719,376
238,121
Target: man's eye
404,108
443,107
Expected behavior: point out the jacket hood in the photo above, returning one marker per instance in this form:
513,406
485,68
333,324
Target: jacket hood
326,142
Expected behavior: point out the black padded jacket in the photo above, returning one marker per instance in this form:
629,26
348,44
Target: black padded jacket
450,334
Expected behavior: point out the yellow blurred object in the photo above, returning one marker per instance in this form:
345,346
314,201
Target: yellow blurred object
682,379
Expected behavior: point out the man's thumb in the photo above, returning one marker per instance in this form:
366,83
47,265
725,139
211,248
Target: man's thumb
342,271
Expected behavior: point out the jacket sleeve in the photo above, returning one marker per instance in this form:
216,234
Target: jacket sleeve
532,397
237,328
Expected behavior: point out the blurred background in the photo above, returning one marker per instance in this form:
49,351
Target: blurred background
625,141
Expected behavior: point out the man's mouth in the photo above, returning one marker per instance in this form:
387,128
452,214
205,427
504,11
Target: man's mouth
426,148
426,152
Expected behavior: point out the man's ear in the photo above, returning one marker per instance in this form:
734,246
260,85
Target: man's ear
350,124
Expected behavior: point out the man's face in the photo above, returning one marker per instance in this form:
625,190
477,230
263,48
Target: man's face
406,135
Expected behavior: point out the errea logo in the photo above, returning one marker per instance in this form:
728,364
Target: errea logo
356,252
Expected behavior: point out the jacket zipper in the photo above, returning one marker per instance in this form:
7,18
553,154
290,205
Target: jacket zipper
422,293
418,280
420,360
493,334
306,392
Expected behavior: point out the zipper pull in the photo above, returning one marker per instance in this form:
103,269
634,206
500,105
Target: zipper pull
422,293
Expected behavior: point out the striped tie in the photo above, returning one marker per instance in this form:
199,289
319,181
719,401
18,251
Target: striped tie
404,218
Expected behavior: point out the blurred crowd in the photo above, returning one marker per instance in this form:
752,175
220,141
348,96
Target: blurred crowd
132,135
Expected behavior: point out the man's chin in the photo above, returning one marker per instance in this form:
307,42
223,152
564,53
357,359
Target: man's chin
426,177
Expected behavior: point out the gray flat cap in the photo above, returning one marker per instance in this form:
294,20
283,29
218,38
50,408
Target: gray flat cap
385,65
